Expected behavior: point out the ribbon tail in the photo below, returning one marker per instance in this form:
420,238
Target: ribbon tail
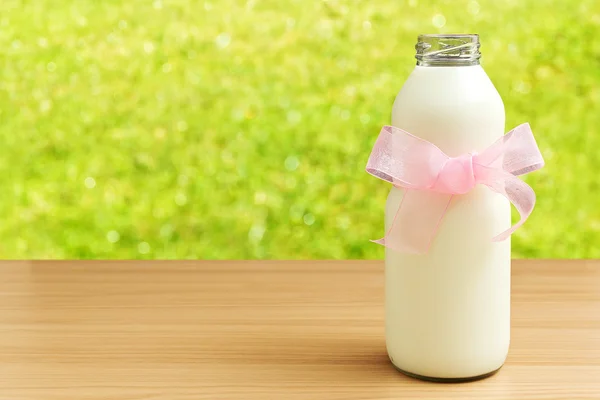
416,221
520,194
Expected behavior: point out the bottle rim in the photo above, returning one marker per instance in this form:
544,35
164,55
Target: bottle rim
455,49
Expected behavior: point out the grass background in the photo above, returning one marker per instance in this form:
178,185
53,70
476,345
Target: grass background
240,129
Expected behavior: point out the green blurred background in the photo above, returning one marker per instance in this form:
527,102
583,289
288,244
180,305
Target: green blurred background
240,129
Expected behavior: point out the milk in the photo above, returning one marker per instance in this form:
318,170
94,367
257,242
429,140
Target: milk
448,311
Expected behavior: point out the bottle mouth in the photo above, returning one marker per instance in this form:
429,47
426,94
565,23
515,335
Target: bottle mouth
447,49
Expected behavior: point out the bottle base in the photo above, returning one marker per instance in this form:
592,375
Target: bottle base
447,380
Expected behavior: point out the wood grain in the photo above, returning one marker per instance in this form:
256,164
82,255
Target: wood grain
267,330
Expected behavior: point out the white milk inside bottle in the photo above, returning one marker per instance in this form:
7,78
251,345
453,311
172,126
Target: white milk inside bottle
448,311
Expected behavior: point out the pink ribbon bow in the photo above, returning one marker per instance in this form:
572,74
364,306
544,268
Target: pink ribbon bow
432,179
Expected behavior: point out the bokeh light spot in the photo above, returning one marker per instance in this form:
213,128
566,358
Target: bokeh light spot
183,180
182,126
438,20
166,231
473,7
159,133
294,117
256,233
89,182
343,222
291,163
148,47
223,40
45,106
522,87
144,248
260,198
180,199
113,236
308,219
543,72
296,212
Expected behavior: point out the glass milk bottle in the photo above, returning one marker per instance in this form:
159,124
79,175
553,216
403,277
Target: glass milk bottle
448,311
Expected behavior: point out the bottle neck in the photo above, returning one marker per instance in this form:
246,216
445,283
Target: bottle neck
447,50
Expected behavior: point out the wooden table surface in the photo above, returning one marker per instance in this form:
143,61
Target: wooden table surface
267,330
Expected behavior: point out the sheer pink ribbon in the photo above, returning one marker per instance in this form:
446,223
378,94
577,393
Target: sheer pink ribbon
432,179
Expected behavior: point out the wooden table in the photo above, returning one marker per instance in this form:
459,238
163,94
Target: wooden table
267,330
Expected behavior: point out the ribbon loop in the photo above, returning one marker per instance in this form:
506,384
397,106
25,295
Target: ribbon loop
432,178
